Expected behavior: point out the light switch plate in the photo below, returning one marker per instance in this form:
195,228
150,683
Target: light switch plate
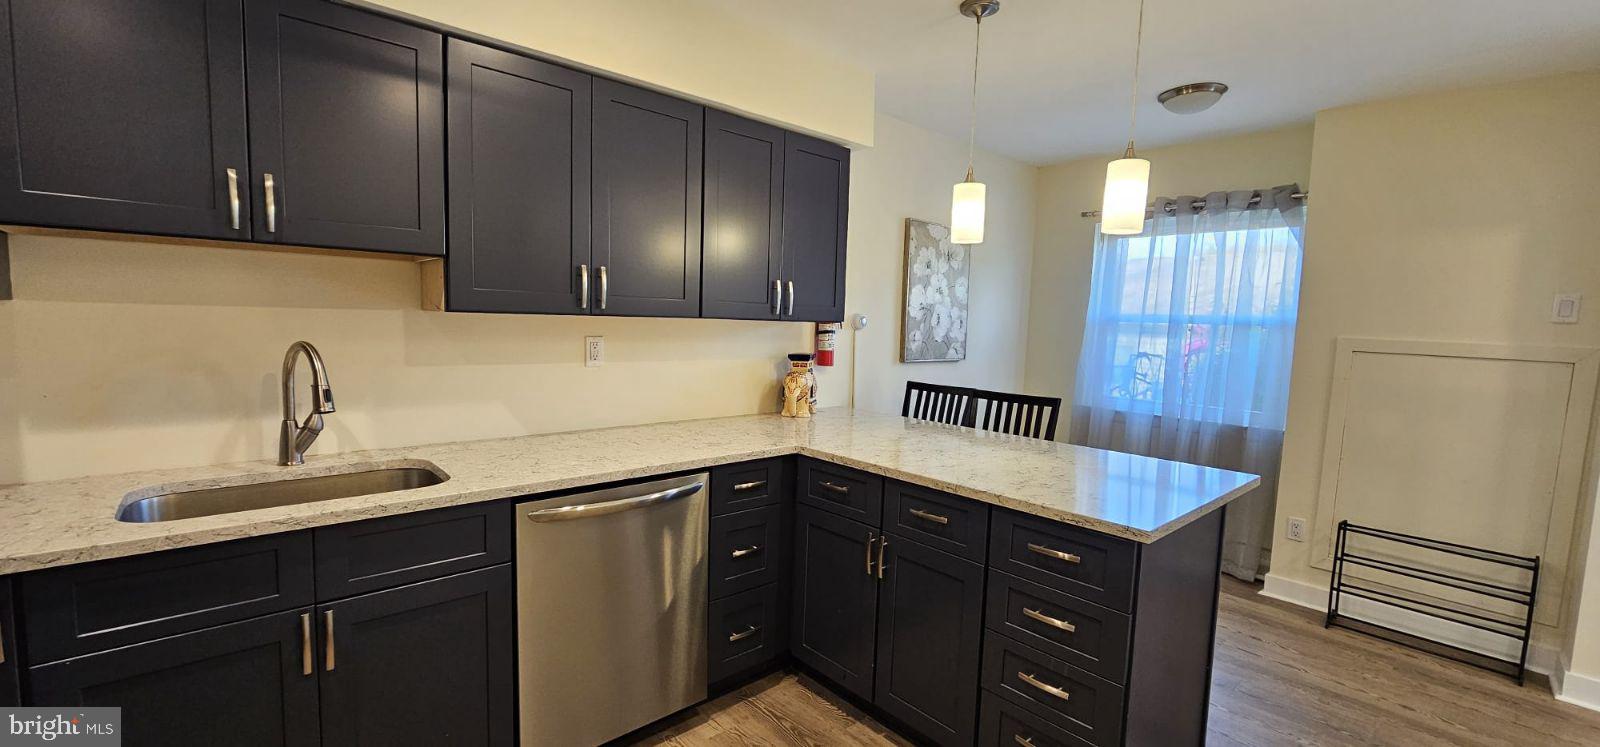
1564,310
594,351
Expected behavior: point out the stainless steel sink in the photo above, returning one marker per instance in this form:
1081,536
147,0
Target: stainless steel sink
186,504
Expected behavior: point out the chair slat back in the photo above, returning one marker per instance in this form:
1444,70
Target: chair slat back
1017,414
937,402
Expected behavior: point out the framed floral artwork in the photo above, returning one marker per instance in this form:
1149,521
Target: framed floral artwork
933,326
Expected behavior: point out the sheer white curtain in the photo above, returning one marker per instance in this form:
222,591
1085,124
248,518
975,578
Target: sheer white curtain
1187,346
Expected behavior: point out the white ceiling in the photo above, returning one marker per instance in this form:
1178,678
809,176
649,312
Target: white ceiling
1056,74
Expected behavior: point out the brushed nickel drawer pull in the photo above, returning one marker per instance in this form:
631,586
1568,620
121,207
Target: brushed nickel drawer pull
1048,620
327,618
935,518
883,542
743,634
1022,740
840,489
870,540
1047,689
752,485
1057,554
743,551
305,644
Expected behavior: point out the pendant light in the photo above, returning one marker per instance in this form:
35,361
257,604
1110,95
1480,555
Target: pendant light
967,199
1127,178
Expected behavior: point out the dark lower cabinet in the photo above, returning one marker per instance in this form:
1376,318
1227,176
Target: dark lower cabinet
244,683
10,695
125,116
646,202
518,180
426,664
835,603
346,128
816,206
930,633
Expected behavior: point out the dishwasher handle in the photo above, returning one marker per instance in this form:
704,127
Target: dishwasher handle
586,510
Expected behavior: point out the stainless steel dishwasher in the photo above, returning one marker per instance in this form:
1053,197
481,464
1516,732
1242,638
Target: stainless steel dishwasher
611,609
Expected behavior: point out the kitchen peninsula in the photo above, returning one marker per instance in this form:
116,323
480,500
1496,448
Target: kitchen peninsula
1070,591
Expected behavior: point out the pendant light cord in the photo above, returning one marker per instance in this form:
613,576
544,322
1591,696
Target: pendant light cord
1133,118
972,131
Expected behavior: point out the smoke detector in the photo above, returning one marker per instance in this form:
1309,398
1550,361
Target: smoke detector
1192,98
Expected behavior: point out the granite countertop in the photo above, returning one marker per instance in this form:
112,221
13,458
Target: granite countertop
73,521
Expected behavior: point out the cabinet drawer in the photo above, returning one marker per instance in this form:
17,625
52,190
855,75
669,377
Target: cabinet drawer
1081,633
394,550
740,487
1085,564
1045,686
956,525
847,492
747,630
80,609
747,550
1004,725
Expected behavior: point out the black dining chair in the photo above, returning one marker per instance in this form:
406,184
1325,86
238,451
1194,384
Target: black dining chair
1017,414
937,402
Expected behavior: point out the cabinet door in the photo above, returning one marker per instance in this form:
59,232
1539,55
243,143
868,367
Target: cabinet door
930,629
816,201
347,122
519,182
10,696
743,224
835,598
647,164
426,664
123,116
244,683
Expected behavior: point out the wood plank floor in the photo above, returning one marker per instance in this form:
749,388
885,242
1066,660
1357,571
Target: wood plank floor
1280,679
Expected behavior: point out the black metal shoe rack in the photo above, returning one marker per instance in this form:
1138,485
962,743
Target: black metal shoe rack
1515,627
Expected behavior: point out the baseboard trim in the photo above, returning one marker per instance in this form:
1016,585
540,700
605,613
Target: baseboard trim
1541,658
1582,690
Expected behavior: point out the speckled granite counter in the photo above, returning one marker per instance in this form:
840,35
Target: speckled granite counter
73,521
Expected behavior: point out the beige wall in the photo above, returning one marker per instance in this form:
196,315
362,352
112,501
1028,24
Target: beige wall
680,47
1453,217
908,174
1063,244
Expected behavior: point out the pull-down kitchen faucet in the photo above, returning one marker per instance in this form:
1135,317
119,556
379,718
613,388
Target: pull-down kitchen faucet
295,438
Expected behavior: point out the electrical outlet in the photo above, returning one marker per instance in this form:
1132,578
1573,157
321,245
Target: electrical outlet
594,351
1297,529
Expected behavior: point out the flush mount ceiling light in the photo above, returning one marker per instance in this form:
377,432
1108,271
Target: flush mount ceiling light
968,197
1192,98
1127,178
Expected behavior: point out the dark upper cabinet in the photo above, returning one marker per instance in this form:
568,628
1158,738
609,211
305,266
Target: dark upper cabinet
646,202
347,127
743,218
125,116
244,683
425,664
835,602
519,182
10,696
816,204
930,631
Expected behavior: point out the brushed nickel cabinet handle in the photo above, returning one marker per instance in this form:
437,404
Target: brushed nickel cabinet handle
883,542
935,518
1057,554
752,485
583,286
840,489
777,297
305,644
272,202
1022,740
2,643
743,634
743,551
603,287
1041,687
233,198
870,539
328,653
791,298
1048,620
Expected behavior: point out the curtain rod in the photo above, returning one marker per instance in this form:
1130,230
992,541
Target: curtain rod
1201,204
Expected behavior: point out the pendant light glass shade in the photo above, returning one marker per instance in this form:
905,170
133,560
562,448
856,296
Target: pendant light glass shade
1127,188
966,213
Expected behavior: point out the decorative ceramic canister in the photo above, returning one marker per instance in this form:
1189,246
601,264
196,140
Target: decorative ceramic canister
799,387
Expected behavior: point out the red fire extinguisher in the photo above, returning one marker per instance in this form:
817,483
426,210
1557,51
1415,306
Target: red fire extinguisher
825,343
